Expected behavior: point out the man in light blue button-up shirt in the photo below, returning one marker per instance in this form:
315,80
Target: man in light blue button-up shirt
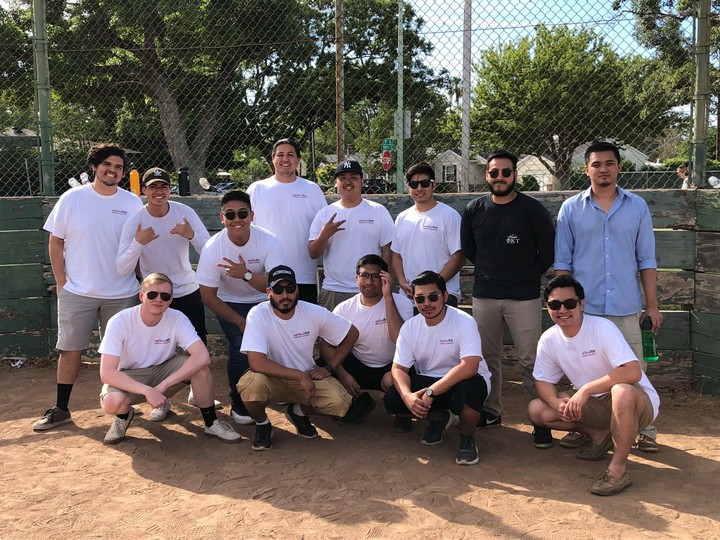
604,237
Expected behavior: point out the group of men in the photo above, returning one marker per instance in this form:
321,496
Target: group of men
258,276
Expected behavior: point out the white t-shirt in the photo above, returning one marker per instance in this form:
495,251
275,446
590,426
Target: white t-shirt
290,343
139,345
374,347
368,227
287,210
261,253
169,253
435,350
91,224
427,240
597,349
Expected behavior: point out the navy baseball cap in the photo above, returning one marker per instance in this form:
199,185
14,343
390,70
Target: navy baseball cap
348,165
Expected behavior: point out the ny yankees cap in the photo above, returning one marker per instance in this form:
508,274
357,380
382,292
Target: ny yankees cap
348,166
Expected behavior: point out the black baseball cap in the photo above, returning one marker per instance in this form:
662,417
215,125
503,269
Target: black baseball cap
281,273
156,174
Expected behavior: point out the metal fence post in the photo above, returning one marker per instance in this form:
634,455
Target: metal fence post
42,98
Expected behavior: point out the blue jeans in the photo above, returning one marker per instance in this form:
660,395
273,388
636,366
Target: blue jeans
237,361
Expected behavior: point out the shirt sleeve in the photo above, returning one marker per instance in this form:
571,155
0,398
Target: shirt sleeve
334,328
452,231
316,225
546,370
206,273
403,348
129,249
201,233
467,239
255,335
387,227
564,241
645,245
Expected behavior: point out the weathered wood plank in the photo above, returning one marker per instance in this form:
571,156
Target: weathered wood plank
708,252
22,281
676,287
704,335
675,249
24,344
25,314
706,374
708,209
707,292
18,213
22,247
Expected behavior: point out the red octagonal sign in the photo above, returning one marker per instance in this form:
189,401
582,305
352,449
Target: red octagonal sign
386,160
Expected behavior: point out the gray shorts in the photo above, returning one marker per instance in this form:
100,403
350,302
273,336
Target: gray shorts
79,315
330,299
151,376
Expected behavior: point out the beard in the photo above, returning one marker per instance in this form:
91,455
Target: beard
287,307
501,191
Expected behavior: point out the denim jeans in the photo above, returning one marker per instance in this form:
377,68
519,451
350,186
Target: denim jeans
237,361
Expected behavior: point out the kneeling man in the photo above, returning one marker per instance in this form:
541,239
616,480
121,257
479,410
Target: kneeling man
279,339
613,399
438,365
139,363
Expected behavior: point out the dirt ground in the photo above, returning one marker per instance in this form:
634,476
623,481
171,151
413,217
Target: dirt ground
168,480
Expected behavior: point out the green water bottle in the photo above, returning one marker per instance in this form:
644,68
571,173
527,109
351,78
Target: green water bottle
649,345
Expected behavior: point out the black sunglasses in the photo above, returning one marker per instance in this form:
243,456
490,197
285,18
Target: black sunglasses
507,173
242,214
278,289
570,303
164,296
433,297
415,183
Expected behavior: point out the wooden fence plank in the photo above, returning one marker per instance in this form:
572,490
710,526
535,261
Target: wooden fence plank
22,281
704,335
708,209
707,292
21,213
22,247
24,314
708,250
24,344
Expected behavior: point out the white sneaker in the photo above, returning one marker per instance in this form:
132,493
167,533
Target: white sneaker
454,419
242,419
117,430
160,414
224,432
191,401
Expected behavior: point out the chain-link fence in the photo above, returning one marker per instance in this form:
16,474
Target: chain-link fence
211,85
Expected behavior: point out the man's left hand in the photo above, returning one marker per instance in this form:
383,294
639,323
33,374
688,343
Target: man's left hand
655,316
184,229
319,373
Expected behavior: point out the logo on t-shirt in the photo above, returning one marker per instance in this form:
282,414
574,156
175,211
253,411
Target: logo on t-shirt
591,352
447,341
366,221
252,261
299,196
161,341
379,322
120,212
512,239
301,335
429,227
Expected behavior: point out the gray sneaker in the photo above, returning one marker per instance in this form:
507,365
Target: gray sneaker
117,430
160,414
52,418
223,431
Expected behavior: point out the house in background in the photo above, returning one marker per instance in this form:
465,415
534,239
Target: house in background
530,165
448,170
628,153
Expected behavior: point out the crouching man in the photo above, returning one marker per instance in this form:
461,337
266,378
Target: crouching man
612,398
438,365
139,363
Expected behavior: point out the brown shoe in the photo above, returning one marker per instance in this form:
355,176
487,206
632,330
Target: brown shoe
606,484
574,439
595,452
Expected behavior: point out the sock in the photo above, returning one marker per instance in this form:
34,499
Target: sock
264,422
298,410
63,395
123,416
209,415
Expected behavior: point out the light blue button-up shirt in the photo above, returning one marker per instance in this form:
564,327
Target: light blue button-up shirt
605,251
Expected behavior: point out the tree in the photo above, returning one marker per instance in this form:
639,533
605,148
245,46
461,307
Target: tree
548,94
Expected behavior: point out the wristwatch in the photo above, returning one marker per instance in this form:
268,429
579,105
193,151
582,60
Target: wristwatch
429,393
247,276
330,369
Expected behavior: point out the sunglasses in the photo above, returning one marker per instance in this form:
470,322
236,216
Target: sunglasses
164,296
367,277
415,183
507,173
433,297
570,303
278,289
231,214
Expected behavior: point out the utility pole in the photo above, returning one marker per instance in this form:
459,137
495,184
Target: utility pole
42,98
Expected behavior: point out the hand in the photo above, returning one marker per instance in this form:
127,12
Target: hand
319,373
655,316
308,384
234,269
60,284
349,382
563,411
417,404
574,405
332,226
184,229
386,281
155,398
145,236
407,289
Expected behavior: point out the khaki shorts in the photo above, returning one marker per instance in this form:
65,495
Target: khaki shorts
151,376
330,299
330,397
597,411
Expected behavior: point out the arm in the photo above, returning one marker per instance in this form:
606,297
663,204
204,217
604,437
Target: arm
131,242
335,355
237,270
453,266
56,248
397,266
564,244
467,239
466,369
260,363
318,246
629,373
545,233
386,254
392,315
648,278
220,308
198,358
547,393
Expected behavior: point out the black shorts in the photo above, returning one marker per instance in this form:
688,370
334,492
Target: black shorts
368,378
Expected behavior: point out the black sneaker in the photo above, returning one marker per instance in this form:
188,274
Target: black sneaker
359,409
402,424
263,437
302,423
467,453
487,420
438,421
542,437
52,418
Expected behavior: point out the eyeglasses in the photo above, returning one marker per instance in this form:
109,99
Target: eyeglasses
433,297
242,214
570,303
494,173
278,289
367,277
415,183
164,296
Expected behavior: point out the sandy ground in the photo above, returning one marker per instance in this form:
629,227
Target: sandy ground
170,481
